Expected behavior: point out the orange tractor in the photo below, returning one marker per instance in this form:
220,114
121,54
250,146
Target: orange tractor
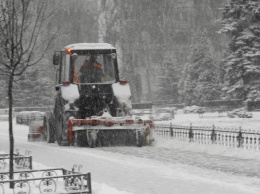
92,105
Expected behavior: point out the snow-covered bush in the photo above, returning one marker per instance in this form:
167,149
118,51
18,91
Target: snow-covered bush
240,113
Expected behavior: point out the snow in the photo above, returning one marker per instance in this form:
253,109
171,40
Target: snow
121,90
70,92
123,93
119,173
86,46
224,121
98,188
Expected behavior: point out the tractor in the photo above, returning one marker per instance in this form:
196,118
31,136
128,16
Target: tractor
92,105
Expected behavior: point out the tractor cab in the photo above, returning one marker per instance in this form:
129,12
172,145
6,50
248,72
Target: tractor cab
86,63
92,106
91,72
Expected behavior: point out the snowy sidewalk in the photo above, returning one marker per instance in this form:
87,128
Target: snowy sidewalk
169,167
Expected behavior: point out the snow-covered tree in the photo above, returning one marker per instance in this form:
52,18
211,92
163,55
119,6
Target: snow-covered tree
22,44
35,87
200,76
241,21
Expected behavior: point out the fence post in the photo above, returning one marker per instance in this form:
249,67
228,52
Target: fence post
191,133
213,135
240,137
89,183
30,160
171,130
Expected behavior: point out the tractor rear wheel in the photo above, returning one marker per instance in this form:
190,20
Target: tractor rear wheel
49,128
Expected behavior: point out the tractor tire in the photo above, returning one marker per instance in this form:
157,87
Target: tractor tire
61,122
91,140
49,128
59,130
62,128
140,140
80,138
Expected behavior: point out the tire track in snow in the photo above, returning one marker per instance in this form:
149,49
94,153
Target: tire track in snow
232,165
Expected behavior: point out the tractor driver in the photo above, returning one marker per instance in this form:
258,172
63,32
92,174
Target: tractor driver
91,70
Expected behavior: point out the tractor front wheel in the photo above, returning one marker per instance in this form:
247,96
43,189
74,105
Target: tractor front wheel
140,139
91,136
80,138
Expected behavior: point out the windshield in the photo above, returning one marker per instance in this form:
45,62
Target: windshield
93,68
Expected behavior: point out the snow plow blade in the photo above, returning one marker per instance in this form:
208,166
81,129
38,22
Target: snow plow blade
100,132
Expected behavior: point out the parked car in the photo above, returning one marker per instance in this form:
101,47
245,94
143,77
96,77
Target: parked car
136,112
142,113
193,109
240,113
25,117
163,114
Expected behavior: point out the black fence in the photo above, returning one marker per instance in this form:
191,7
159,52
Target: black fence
55,180
20,162
231,137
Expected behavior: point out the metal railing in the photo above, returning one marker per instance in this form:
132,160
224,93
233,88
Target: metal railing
20,162
53,180
49,180
230,137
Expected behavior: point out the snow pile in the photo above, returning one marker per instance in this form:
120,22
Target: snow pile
105,189
4,117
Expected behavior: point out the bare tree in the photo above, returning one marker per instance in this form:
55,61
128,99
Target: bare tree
23,43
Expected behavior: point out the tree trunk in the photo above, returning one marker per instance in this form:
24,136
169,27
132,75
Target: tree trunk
11,137
148,66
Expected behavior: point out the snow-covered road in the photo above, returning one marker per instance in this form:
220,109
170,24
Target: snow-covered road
240,166
147,170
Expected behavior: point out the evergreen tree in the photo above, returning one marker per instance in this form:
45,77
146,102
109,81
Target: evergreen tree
130,74
241,21
168,83
200,77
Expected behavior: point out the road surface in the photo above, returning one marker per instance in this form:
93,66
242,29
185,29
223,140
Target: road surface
147,170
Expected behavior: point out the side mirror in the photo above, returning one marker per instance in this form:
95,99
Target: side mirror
57,87
56,58
113,55
74,57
